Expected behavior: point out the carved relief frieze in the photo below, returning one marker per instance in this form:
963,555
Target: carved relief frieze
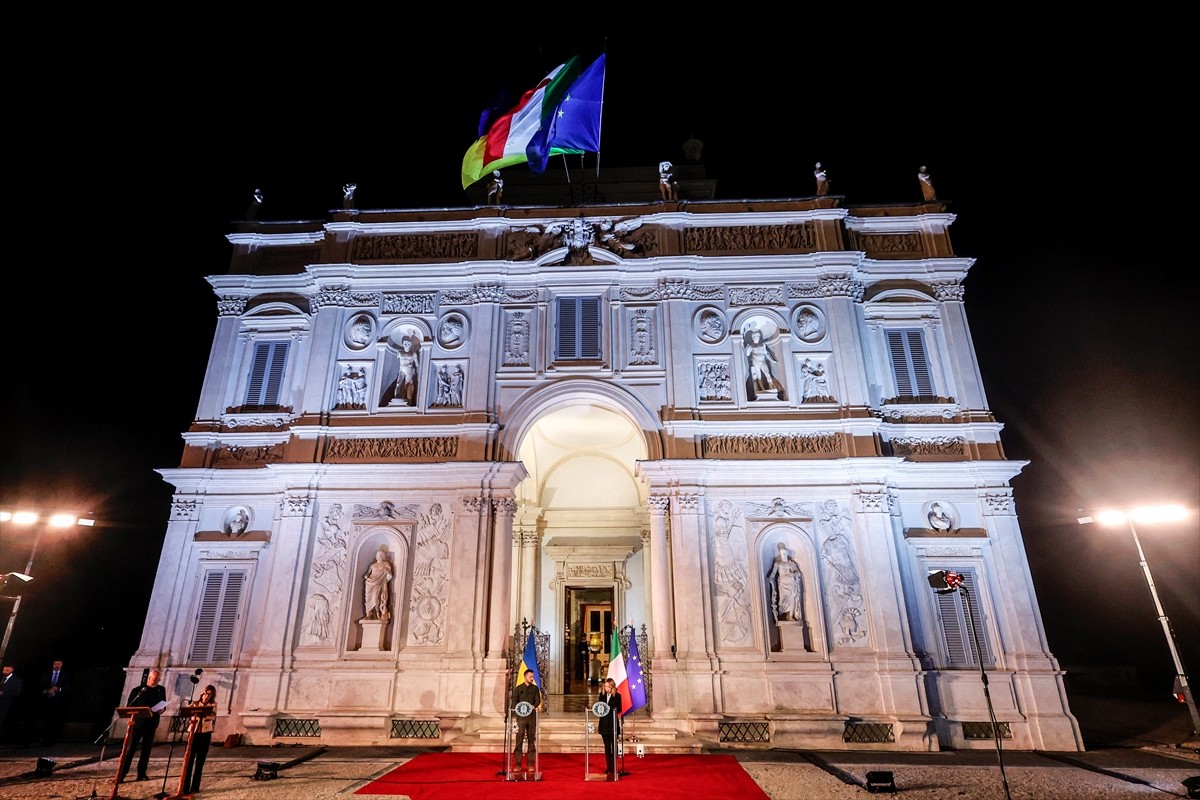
643,335
844,601
184,509
409,303
431,585
730,578
887,244
387,510
293,505
227,454
755,238
393,447
328,574
949,290
756,296
934,446
231,306
517,329
334,295
714,380
774,443
424,246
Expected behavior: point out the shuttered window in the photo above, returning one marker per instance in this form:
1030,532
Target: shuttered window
952,608
578,328
217,619
910,365
266,374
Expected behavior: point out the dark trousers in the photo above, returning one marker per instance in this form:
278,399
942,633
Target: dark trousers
200,746
526,729
610,751
143,739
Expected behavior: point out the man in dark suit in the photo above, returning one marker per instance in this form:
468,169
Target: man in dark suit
53,685
152,695
10,690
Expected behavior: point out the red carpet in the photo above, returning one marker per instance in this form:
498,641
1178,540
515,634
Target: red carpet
473,776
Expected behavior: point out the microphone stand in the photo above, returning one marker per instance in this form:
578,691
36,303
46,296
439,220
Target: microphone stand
170,753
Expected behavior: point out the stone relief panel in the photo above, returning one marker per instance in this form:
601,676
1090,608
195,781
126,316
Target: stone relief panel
431,585
643,336
814,382
714,380
808,323
449,382
452,331
351,390
327,582
730,574
844,602
709,325
517,332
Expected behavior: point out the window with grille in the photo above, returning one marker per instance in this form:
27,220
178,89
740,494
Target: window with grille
910,364
952,608
217,619
266,374
578,328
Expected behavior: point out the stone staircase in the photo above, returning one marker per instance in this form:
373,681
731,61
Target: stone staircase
562,729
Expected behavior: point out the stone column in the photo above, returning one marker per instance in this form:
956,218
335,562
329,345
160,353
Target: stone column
662,612
499,624
529,554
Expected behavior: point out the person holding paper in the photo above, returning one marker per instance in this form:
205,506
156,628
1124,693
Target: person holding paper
153,696
202,741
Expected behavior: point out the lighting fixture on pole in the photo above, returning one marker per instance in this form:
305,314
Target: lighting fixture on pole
943,581
1153,514
56,520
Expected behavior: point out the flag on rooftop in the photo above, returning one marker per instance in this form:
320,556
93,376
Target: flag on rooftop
573,125
509,135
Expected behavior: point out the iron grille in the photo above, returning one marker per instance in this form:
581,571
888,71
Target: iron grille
743,732
984,730
416,729
297,727
868,733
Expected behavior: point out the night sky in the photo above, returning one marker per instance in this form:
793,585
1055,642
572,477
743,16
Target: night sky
1079,305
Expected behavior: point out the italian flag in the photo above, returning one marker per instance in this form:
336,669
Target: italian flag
616,671
506,141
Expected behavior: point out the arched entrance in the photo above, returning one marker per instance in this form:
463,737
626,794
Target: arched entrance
578,564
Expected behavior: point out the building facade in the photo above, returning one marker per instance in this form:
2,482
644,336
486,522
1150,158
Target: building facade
748,429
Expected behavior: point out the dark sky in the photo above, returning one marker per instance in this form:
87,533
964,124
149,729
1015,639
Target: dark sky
1059,164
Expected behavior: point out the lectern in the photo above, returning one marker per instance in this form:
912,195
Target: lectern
133,714
194,715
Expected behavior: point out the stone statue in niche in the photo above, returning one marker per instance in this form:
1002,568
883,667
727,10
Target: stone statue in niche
822,180
403,391
761,367
458,380
787,586
352,389
377,600
927,192
348,195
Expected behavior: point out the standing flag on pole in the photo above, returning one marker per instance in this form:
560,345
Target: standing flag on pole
529,660
637,683
616,669
573,125
510,133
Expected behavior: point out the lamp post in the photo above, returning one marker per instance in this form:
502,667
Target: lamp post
1151,514
56,520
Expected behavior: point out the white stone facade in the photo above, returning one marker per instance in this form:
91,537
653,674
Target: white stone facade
489,409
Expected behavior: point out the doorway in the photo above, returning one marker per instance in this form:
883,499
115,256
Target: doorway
589,611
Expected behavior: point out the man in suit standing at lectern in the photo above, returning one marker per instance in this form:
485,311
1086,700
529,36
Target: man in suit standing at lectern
153,696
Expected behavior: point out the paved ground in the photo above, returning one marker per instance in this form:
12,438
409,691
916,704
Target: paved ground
1134,750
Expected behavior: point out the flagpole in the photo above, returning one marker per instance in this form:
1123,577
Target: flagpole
600,124
565,167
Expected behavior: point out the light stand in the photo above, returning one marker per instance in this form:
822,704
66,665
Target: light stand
944,581
1155,514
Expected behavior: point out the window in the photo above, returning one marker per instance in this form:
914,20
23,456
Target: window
910,365
266,374
578,328
952,608
217,619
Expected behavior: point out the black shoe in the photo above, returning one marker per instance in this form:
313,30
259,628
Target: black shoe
143,777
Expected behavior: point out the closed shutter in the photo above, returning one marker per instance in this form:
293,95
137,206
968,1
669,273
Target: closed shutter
578,328
266,373
217,619
960,650
910,365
